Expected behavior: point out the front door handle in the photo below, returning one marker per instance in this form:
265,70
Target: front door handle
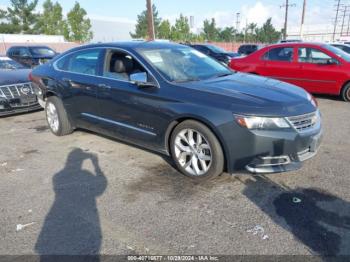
104,86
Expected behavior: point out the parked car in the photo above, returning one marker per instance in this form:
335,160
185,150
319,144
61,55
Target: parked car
248,49
344,47
16,92
215,52
318,68
31,56
175,100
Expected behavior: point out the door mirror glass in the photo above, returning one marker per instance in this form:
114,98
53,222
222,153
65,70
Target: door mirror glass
139,78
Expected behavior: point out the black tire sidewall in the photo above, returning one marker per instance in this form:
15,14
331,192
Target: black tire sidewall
217,164
346,93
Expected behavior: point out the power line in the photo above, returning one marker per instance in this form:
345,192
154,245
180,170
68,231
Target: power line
287,5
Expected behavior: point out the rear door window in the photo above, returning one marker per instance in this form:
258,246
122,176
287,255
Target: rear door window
84,62
283,54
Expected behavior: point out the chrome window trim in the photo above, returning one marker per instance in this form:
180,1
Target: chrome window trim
119,124
104,77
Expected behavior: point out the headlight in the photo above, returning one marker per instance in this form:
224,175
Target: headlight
312,99
254,122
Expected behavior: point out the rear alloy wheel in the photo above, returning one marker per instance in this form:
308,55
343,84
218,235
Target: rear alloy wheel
196,151
346,93
57,117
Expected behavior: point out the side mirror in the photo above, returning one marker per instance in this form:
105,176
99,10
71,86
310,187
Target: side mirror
140,79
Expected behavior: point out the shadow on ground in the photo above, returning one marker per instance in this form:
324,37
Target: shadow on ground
302,212
72,226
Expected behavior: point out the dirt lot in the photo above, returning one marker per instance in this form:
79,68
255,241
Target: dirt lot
87,194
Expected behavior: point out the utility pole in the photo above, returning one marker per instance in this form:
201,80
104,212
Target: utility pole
302,21
287,5
150,21
336,19
343,23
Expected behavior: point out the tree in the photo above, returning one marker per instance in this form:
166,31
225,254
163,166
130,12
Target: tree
210,31
78,27
181,30
141,27
164,30
21,16
5,28
267,33
51,22
227,34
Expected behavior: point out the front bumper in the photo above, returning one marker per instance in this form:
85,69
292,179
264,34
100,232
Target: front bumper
15,106
304,149
267,151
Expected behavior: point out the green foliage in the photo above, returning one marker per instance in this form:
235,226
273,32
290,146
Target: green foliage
141,28
210,31
50,22
21,16
181,30
164,30
5,27
227,34
267,33
78,27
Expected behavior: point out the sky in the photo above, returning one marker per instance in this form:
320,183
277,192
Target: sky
319,12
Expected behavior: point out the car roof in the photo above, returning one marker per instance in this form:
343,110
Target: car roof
25,46
128,45
296,44
138,44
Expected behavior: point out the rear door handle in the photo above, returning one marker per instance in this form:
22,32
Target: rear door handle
104,86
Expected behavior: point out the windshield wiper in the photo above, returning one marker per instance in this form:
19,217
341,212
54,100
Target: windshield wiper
223,75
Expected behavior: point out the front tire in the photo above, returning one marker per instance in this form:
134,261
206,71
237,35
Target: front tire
196,151
57,117
345,94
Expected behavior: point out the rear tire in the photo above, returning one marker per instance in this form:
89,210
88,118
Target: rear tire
345,93
57,117
196,151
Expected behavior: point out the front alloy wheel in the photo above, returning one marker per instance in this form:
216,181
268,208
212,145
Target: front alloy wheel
193,152
196,151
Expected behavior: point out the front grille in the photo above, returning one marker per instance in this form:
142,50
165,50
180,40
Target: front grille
304,123
16,91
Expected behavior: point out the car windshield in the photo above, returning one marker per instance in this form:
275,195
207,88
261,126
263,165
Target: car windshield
184,64
8,64
338,52
216,49
42,51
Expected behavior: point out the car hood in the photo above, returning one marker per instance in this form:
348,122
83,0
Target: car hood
8,77
255,95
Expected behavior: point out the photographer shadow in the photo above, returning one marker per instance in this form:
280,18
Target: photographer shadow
303,213
72,226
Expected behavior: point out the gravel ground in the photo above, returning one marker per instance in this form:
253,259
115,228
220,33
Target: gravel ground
86,194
